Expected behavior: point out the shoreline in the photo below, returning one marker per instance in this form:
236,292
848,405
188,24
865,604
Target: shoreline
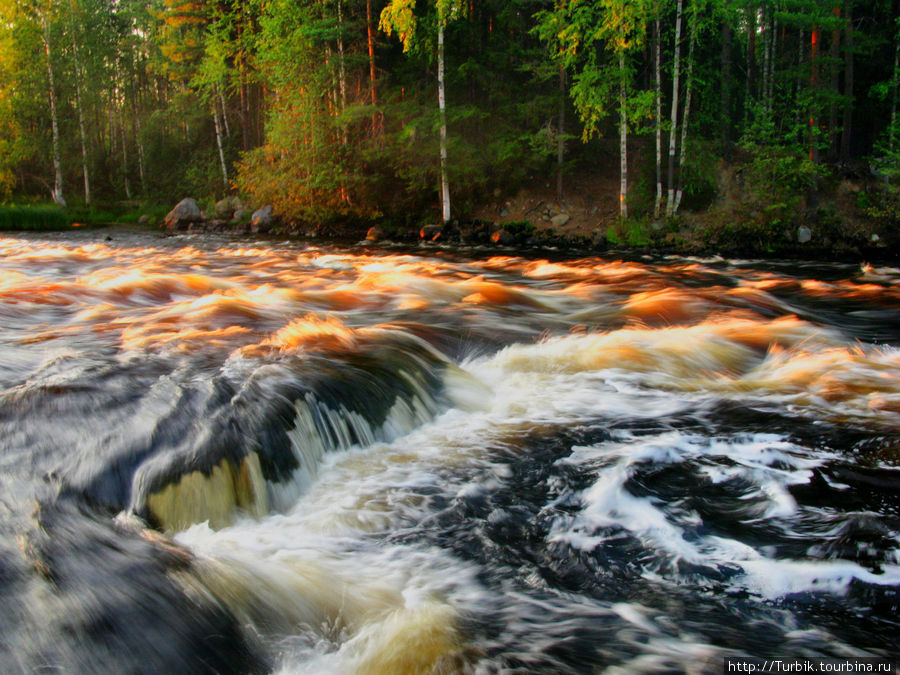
551,245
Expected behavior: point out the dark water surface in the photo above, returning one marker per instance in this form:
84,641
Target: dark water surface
260,456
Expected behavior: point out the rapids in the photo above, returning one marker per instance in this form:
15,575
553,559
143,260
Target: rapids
255,456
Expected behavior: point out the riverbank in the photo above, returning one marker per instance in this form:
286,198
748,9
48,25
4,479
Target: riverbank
740,216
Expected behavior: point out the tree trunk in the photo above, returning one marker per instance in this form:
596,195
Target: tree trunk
813,198
725,107
125,157
78,104
221,149
657,204
57,193
770,93
226,125
342,71
751,55
767,60
245,109
561,134
847,126
373,94
892,130
673,130
623,141
833,54
442,108
689,82
799,84
140,149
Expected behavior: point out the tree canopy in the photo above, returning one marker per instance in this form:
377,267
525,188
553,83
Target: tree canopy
369,109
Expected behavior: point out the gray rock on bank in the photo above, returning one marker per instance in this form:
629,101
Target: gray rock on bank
185,212
559,219
262,219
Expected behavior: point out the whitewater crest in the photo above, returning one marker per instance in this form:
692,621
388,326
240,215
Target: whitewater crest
267,457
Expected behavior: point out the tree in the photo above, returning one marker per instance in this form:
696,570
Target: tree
399,16
598,40
45,17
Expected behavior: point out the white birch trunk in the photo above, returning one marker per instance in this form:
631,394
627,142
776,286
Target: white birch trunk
78,104
225,123
222,163
57,193
673,131
623,142
442,108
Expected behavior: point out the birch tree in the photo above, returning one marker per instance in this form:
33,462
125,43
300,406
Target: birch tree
79,102
399,17
673,128
597,40
43,13
689,87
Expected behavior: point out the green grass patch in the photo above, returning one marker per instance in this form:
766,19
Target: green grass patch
629,232
40,217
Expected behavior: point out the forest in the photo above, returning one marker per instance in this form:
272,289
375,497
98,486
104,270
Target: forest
415,111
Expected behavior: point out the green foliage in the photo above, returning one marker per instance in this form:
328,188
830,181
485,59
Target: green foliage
519,227
36,217
628,232
145,79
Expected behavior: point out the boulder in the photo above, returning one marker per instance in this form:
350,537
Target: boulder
804,235
185,212
559,219
144,219
262,219
240,215
224,209
502,237
375,233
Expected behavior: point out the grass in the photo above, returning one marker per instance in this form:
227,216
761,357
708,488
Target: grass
629,232
40,217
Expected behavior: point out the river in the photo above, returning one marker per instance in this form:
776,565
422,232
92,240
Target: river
224,455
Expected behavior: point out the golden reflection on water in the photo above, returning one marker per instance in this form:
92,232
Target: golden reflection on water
682,320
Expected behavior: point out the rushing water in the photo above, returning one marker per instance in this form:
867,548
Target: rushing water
223,456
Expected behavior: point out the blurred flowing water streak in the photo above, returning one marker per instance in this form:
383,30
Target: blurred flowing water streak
257,456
